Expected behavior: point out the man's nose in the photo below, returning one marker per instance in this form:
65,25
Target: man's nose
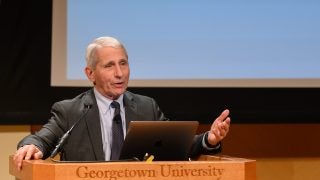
118,71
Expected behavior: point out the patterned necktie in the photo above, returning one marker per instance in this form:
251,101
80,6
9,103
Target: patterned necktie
117,132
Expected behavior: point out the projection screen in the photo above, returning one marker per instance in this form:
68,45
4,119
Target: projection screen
203,43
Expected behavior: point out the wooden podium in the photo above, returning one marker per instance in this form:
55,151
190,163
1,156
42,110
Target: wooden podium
205,168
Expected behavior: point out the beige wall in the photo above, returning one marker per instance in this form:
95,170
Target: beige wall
9,136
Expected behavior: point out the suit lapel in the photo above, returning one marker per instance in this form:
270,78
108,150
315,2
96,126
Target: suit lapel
94,127
130,108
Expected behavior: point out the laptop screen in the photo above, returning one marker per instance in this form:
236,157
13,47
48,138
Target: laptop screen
165,140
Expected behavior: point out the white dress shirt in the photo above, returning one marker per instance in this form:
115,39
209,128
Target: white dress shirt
106,113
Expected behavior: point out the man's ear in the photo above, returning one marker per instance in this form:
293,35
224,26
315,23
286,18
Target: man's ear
90,74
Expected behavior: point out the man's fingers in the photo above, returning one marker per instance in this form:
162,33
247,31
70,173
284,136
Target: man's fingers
220,127
26,152
220,130
30,152
223,115
18,157
38,155
228,120
225,124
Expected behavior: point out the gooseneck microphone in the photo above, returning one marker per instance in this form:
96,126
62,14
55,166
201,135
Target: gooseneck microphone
63,139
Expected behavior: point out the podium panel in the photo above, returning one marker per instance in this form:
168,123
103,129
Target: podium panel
205,168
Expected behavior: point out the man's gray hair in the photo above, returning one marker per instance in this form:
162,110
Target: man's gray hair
98,43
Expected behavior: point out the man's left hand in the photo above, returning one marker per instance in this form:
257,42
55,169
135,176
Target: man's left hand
219,128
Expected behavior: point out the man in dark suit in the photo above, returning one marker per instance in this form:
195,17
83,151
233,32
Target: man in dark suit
92,138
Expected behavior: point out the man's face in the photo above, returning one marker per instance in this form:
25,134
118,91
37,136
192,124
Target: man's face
111,74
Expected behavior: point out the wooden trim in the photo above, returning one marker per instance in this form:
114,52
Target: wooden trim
271,140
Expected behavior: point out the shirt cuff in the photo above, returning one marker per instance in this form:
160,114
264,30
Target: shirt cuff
206,144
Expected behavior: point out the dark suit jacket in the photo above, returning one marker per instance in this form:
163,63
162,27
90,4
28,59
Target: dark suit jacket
85,141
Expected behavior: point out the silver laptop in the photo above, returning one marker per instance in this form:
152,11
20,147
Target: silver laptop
165,140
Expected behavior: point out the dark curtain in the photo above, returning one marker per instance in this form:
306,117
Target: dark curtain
26,95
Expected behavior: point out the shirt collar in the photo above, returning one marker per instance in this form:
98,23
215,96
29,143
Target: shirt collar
106,102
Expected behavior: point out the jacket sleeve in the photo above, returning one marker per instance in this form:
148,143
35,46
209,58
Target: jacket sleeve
197,147
47,137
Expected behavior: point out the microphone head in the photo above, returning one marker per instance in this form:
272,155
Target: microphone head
87,106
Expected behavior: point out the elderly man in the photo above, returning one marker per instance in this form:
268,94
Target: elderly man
93,138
